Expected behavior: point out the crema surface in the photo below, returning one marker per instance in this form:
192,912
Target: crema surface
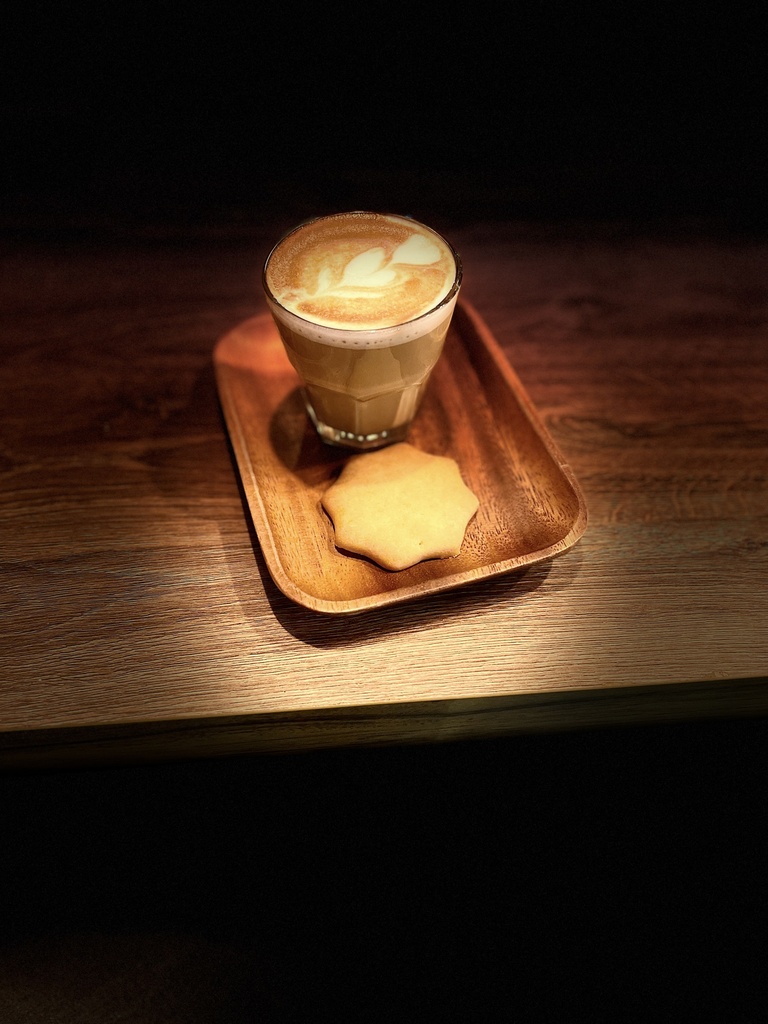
361,271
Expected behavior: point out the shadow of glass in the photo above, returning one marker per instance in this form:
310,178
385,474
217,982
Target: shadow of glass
297,444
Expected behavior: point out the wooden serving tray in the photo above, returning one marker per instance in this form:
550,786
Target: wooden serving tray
475,410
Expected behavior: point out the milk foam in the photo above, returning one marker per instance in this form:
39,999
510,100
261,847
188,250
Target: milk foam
362,280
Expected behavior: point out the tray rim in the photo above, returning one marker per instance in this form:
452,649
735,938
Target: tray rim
263,527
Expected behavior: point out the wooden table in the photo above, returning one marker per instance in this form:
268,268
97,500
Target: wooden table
139,621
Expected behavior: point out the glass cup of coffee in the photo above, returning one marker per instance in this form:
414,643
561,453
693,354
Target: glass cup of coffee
362,302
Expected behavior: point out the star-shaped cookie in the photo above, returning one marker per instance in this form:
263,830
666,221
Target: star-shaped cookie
399,506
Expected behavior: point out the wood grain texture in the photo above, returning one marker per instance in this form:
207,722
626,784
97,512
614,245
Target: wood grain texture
135,596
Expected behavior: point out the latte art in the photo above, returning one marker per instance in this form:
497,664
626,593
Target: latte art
361,271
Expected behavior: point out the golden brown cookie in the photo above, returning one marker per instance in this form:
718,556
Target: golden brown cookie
399,505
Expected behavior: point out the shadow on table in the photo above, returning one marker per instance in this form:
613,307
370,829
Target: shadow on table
329,631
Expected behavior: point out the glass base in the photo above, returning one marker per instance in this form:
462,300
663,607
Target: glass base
360,442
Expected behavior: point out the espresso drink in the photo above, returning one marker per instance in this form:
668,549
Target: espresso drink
362,302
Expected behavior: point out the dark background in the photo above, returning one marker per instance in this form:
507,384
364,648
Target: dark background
614,875
608,875
539,110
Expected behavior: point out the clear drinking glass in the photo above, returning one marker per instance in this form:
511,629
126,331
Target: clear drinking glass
362,384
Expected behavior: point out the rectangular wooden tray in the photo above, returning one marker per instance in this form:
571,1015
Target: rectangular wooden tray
475,410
